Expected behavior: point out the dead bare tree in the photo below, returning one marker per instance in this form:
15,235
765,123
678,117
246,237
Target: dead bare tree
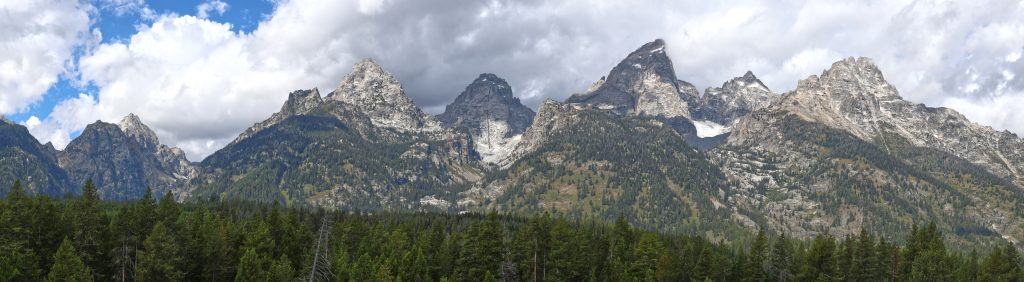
321,267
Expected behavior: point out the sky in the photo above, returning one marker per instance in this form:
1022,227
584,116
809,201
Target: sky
201,71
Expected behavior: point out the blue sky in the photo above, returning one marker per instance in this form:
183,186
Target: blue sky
199,79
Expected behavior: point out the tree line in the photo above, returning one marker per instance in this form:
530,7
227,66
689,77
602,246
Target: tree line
86,239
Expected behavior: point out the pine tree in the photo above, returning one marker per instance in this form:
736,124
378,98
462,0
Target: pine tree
781,260
669,268
18,262
758,258
67,266
930,262
159,259
819,263
645,255
1003,264
89,224
281,270
562,262
252,267
622,239
864,266
168,209
705,267
888,259
484,249
144,213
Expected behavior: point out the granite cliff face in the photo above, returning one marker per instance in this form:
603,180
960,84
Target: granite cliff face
847,134
494,117
35,165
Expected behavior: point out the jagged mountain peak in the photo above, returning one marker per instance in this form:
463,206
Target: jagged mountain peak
132,126
101,126
854,86
368,83
493,116
747,80
490,77
379,95
489,83
855,66
749,75
853,75
644,83
649,57
736,98
656,46
853,96
368,66
123,159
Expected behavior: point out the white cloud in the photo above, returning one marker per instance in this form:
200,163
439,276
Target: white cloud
370,7
1001,112
198,84
37,38
68,116
203,10
194,81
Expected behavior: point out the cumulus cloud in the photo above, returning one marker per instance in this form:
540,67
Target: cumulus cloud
198,84
37,40
203,9
71,114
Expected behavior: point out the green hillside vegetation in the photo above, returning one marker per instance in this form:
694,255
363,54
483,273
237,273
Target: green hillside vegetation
606,166
332,160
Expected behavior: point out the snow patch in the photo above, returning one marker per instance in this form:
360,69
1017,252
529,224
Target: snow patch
659,49
707,128
492,144
637,66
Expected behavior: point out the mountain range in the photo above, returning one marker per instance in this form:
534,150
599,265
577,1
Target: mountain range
840,153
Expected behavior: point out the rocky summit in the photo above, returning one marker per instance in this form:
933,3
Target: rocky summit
841,153
376,93
733,100
124,160
644,83
494,117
